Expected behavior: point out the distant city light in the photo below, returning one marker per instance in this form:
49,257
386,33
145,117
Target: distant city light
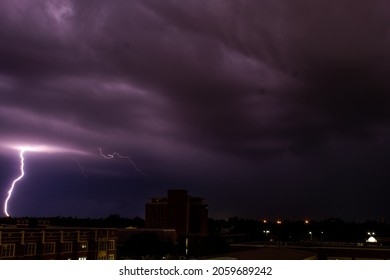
306,221
278,222
265,221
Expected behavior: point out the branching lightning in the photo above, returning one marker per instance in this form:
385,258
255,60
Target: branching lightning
52,149
111,156
15,181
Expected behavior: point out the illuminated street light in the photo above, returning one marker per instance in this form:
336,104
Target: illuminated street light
372,239
306,221
266,232
311,235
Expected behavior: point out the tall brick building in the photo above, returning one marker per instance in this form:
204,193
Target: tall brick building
186,214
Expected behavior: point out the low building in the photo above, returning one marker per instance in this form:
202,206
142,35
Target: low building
57,243
259,252
136,243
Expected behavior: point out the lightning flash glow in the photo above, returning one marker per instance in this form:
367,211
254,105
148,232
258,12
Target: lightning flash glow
22,150
52,149
111,156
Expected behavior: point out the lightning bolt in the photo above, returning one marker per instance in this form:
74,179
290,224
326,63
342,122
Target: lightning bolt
14,182
111,156
32,148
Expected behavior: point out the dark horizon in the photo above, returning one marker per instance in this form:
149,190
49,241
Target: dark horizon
270,220
139,222
264,108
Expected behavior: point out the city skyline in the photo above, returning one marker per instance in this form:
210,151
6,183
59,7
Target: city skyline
264,108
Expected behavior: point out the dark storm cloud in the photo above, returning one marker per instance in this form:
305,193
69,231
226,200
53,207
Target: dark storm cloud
199,87
321,68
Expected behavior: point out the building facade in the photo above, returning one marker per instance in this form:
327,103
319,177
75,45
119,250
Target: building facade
186,214
57,243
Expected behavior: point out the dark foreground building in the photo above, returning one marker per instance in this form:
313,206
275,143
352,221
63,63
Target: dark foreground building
135,243
186,214
57,243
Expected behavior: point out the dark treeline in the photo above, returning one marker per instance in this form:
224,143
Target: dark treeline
332,230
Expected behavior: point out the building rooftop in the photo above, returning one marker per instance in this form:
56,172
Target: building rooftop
266,253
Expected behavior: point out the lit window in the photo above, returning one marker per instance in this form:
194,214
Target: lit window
30,249
84,246
82,258
111,257
7,250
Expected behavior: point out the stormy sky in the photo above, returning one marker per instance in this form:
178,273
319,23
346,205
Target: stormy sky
266,108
